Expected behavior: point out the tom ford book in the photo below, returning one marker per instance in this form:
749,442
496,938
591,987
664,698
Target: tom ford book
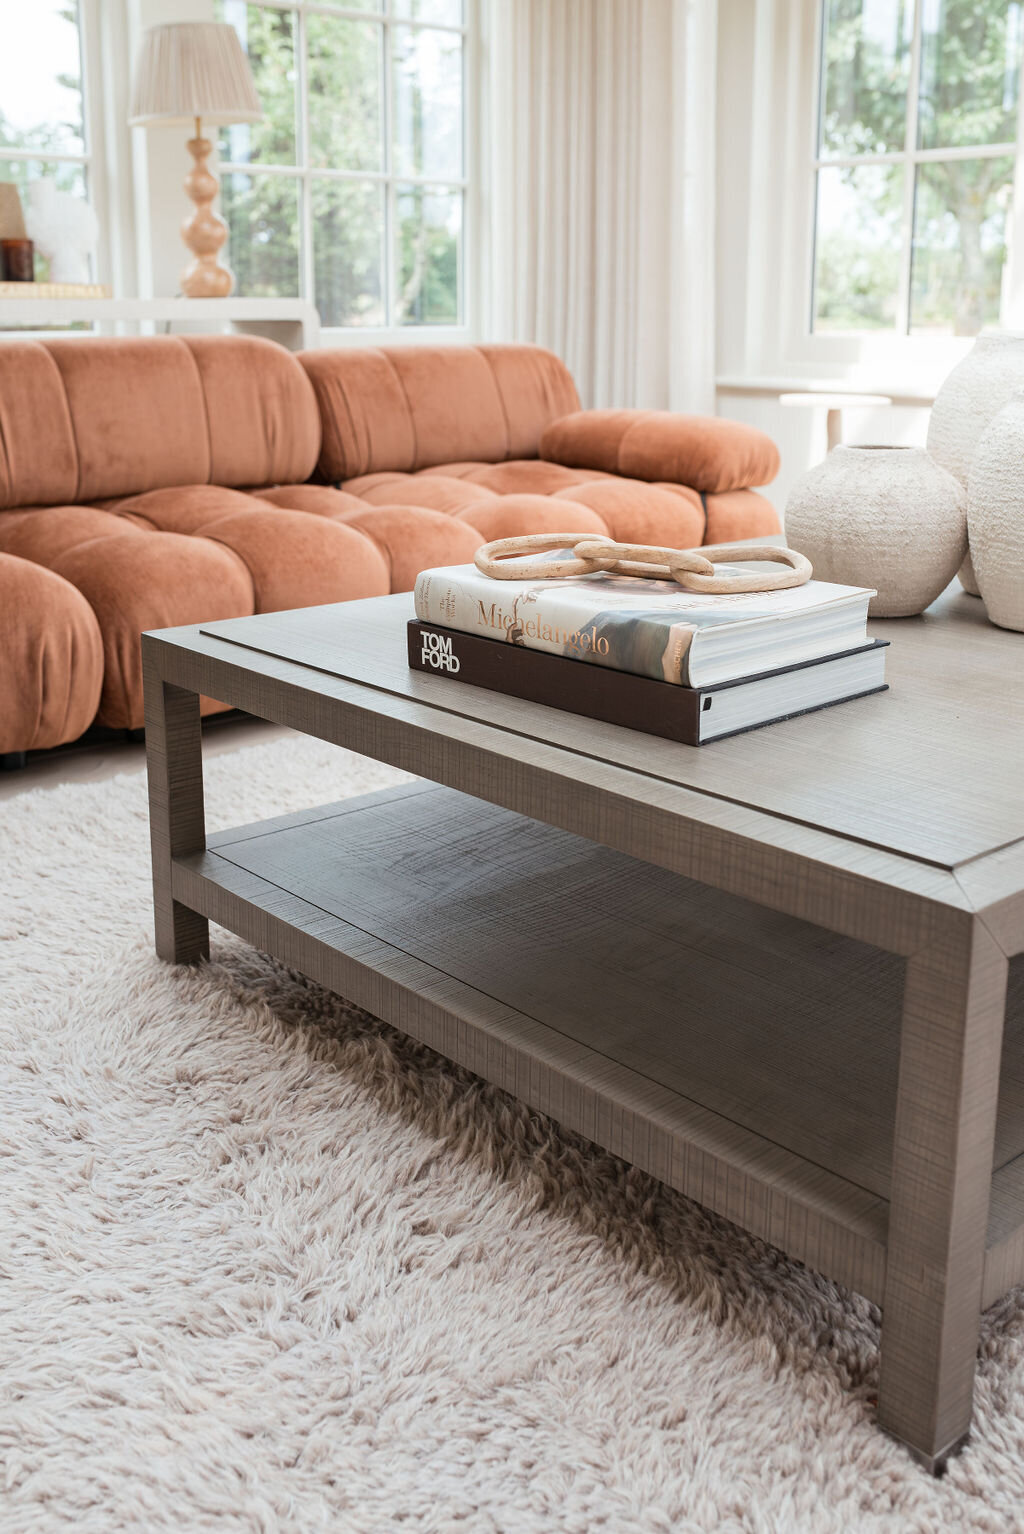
692,716
650,628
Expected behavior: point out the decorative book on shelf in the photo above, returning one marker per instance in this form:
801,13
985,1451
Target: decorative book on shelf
651,628
54,290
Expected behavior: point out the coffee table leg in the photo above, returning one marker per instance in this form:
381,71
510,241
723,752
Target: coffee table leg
953,1007
174,761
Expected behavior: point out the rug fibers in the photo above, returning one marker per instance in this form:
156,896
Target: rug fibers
267,1265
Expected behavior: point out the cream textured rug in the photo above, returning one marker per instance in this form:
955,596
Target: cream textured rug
265,1265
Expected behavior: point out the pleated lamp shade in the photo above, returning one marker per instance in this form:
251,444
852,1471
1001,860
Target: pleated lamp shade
191,69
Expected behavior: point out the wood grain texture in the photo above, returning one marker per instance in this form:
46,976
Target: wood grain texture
735,1006
177,822
941,1178
830,1223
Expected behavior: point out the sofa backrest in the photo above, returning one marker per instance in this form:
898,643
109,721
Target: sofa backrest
403,408
87,418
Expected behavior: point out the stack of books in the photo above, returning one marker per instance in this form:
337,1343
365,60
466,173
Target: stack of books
646,653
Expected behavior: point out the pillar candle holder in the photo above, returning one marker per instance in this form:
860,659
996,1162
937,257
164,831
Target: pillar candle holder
18,258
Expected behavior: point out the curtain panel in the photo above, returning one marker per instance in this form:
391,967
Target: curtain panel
600,206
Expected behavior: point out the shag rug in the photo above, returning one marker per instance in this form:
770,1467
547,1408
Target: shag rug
266,1265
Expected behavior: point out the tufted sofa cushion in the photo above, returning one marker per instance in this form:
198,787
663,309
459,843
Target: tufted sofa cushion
408,408
52,658
84,419
187,555
705,452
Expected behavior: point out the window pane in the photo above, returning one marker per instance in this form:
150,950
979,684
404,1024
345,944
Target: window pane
262,215
866,54
69,177
348,251
429,235
268,37
41,76
346,95
428,103
970,64
857,250
960,213
447,12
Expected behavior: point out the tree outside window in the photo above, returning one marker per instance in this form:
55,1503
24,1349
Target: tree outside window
915,166
351,189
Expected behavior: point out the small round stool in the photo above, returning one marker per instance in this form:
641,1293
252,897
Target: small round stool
834,405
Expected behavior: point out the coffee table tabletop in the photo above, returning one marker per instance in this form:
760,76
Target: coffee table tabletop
772,971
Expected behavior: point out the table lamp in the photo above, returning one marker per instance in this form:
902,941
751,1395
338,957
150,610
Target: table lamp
188,71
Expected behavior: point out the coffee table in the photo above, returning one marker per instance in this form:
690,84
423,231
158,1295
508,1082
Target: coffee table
773,972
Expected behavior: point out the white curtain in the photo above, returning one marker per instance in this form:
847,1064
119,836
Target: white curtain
600,119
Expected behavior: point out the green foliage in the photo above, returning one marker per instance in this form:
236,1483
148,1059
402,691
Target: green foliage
344,72
429,268
970,65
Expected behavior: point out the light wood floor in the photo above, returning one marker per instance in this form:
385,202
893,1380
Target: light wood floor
94,763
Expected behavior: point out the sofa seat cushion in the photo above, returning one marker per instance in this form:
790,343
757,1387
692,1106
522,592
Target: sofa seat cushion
512,516
153,580
414,538
528,476
438,493
318,500
297,560
707,453
184,508
739,514
42,533
635,512
52,652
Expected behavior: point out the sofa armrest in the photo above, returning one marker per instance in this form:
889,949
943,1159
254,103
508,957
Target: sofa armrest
708,453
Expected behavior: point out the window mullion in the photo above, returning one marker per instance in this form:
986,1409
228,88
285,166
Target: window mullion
390,273
307,268
909,176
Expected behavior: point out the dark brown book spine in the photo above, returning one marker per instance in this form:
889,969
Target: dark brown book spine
597,692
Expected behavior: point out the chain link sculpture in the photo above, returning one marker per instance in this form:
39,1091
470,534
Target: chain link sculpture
511,559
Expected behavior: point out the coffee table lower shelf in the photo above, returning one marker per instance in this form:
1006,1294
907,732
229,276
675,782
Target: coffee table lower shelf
746,1058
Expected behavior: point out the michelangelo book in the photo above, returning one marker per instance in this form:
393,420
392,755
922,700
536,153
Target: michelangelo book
652,628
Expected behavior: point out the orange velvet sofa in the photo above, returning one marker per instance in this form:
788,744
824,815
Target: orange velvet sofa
169,480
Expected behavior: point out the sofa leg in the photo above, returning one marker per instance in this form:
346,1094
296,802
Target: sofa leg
11,761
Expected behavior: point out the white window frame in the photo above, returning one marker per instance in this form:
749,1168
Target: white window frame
306,173
784,160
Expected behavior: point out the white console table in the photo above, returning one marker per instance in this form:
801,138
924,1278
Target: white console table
292,322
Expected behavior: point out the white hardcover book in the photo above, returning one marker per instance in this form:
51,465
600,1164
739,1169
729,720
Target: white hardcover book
651,627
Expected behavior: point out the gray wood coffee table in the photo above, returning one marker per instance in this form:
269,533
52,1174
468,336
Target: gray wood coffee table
772,972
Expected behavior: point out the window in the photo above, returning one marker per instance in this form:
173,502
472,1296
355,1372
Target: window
351,189
42,97
914,166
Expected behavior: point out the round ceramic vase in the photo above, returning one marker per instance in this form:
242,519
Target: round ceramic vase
995,515
969,400
887,517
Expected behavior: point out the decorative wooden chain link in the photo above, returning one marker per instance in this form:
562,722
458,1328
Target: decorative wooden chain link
694,569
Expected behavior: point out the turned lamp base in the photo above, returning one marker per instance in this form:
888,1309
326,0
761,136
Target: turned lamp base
205,232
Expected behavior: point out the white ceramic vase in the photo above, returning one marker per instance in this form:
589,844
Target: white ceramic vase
995,514
971,397
888,517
